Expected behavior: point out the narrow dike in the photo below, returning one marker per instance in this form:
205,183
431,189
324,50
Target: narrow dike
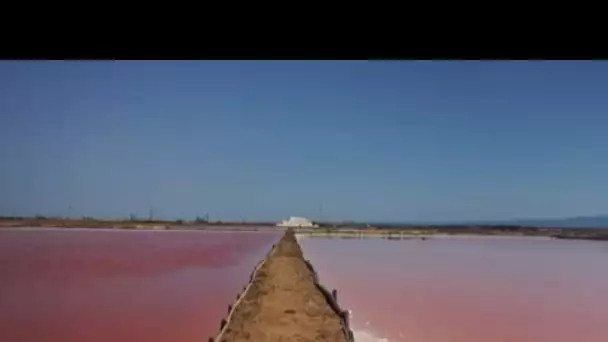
285,302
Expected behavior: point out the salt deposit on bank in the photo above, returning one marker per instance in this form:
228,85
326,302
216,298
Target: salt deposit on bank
296,222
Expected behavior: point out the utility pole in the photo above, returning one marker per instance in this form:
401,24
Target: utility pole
151,216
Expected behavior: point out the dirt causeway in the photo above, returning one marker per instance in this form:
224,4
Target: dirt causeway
283,303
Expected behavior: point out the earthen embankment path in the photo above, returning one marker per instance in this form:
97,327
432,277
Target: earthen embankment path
283,303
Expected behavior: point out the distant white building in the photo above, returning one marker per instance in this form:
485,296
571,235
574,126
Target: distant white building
297,222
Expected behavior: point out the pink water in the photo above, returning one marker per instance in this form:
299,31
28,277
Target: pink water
468,289
109,285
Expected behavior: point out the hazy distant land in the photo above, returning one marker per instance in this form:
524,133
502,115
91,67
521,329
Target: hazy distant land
566,228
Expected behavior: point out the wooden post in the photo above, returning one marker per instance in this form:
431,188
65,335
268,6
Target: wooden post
334,293
346,318
223,323
229,308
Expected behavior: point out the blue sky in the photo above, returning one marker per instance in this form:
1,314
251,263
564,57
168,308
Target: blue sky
392,141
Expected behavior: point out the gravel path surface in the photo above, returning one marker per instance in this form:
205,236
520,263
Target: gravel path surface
283,303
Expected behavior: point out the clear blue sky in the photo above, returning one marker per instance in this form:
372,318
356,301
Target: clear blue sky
393,141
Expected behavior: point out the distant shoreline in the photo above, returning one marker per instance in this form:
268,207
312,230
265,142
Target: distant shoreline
121,230
424,232
346,231
127,224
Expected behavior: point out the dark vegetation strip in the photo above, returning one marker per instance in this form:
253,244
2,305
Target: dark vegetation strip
603,237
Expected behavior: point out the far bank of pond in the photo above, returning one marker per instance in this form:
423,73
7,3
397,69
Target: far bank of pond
346,231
